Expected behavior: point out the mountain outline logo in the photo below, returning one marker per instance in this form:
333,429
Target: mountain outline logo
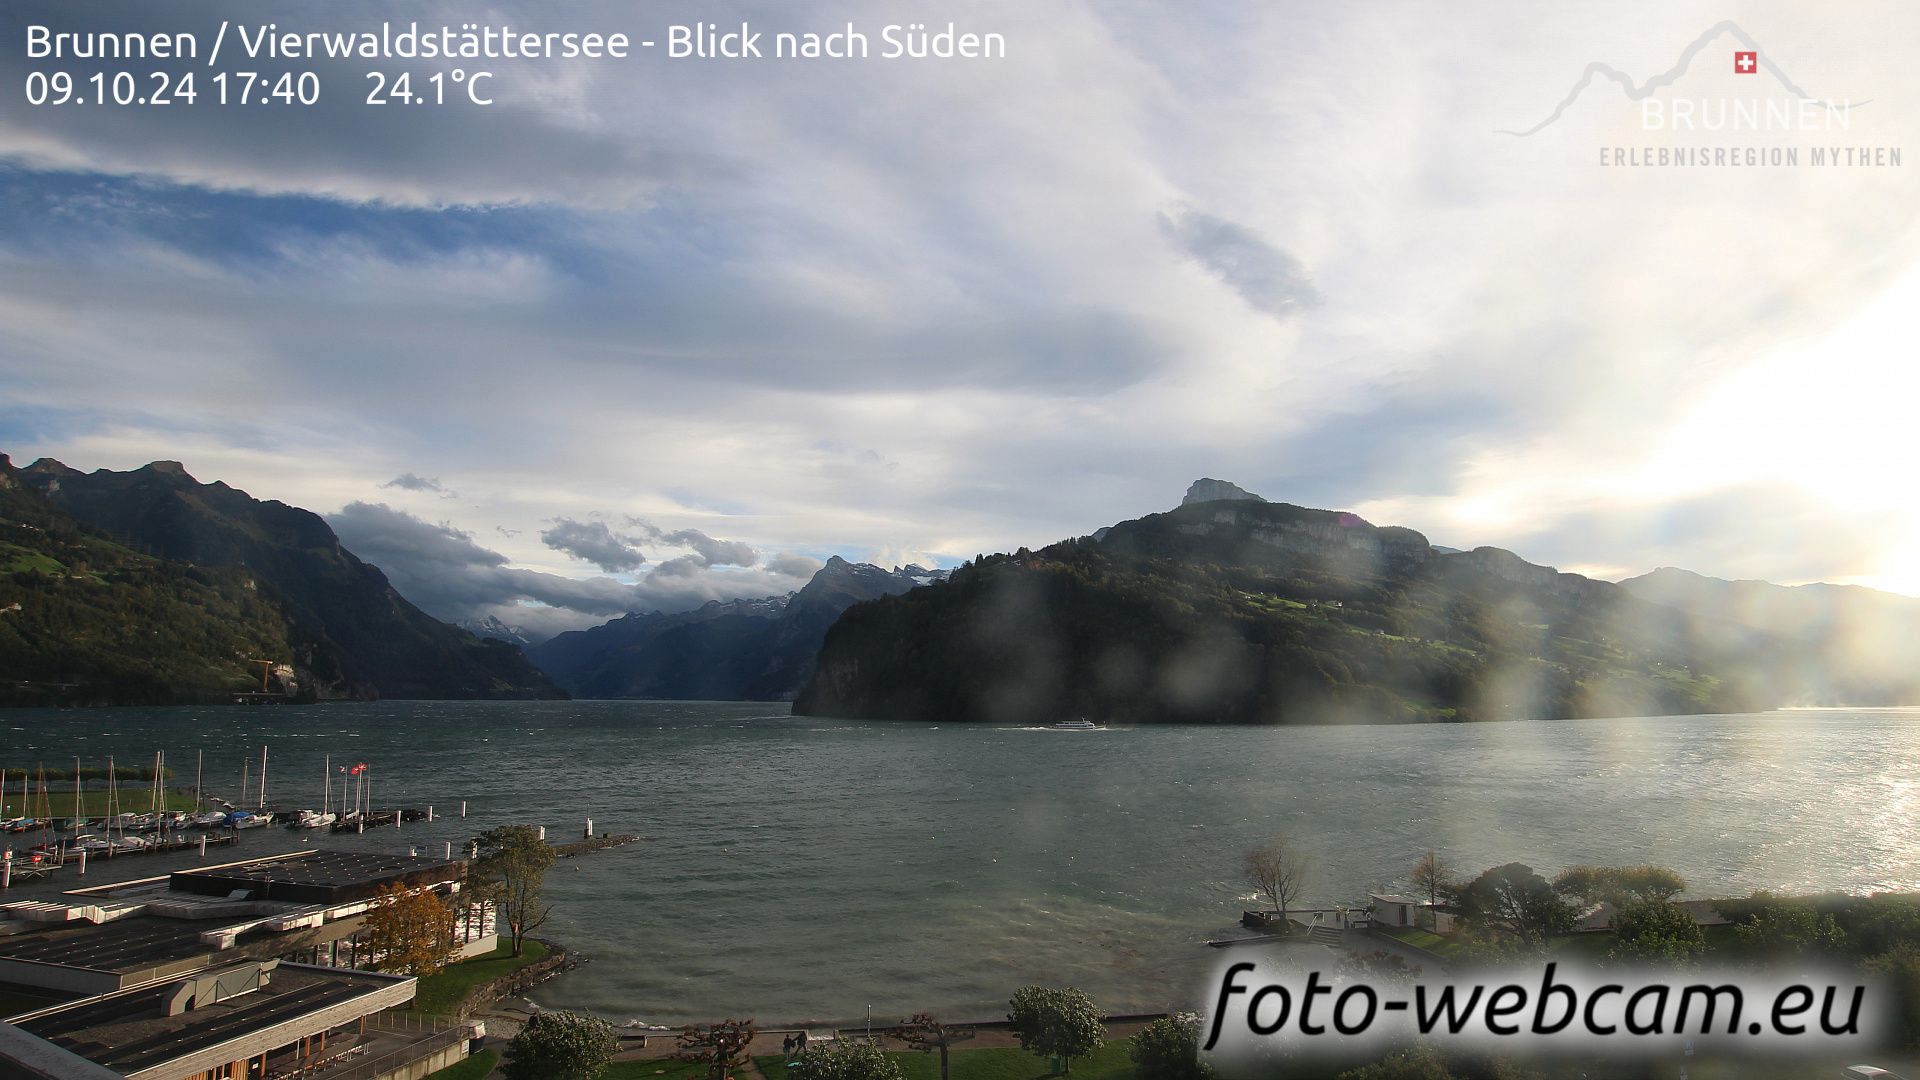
1752,55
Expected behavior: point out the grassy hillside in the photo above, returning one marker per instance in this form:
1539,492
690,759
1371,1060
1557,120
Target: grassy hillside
349,633
84,620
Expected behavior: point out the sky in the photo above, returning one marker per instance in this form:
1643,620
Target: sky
652,331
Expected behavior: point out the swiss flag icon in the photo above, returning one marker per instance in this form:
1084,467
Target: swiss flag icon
1746,63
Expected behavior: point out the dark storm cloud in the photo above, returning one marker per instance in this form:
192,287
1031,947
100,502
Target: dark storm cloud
1266,277
592,541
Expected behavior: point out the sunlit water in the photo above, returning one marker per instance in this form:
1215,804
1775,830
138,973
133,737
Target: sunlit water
802,869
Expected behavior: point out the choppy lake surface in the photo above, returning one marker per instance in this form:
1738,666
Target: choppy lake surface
802,869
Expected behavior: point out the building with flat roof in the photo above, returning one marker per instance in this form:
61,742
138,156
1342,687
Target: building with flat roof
251,969
319,877
249,1019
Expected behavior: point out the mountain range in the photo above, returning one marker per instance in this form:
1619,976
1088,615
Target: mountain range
736,650
148,586
331,621
1231,609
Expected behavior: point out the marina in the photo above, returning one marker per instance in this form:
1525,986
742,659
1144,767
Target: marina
48,845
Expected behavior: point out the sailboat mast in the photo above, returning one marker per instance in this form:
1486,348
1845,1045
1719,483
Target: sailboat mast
199,767
244,763
326,782
263,776
76,797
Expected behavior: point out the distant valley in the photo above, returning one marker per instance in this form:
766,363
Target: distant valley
737,650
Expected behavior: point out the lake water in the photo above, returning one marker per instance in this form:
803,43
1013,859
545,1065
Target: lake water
803,869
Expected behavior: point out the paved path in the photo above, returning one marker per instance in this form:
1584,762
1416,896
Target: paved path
767,1042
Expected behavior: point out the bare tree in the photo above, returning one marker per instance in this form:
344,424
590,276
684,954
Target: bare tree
1432,875
926,1033
721,1047
1279,870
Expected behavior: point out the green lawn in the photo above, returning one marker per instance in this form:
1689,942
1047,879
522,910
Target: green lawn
1423,939
1110,1062
474,1068
442,994
20,560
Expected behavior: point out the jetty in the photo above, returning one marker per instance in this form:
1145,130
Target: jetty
594,843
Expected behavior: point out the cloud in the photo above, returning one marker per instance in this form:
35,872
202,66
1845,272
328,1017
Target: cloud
592,541
1199,246
796,566
1265,276
711,552
410,482
451,576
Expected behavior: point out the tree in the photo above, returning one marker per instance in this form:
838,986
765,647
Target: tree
1515,899
1650,882
1657,931
722,1047
561,1046
1279,870
1419,1063
1378,966
1619,885
1432,875
409,931
1060,1024
1169,1049
925,1033
1788,928
515,860
1426,1063
845,1059
1899,969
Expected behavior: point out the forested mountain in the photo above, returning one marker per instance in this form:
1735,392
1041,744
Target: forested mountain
1244,611
738,650
342,628
84,620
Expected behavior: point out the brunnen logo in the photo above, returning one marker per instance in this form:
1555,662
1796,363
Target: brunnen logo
1773,122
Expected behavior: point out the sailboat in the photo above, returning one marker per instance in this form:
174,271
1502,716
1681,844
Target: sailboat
323,817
